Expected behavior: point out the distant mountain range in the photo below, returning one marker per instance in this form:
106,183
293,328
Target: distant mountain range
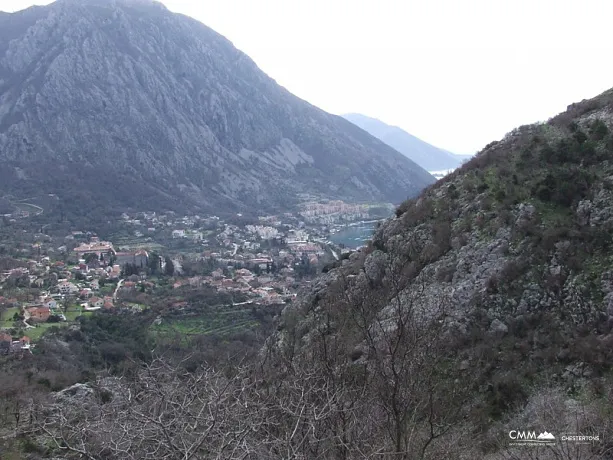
127,104
427,156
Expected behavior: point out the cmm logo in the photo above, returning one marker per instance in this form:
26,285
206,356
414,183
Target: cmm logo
530,437
516,435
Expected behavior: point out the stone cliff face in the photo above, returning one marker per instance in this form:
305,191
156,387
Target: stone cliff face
127,87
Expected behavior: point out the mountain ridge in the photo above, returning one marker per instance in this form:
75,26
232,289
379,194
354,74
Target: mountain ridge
426,155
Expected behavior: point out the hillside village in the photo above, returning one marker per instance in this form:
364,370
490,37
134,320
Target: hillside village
264,261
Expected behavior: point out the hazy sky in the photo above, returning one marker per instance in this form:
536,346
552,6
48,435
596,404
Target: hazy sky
457,74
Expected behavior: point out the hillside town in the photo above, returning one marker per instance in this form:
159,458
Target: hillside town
265,261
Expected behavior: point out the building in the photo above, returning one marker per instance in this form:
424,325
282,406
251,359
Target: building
96,302
8,345
5,342
138,258
50,303
67,288
38,314
95,247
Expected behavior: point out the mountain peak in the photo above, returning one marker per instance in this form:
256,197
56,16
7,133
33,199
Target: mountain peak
134,108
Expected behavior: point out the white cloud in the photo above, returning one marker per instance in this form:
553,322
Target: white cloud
456,74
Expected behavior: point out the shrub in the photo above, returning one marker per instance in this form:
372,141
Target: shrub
512,271
441,235
482,187
580,137
31,447
54,319
598,130
500,195
525,154
563,186
492,285
504,395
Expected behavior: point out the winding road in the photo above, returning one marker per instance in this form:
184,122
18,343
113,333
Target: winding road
26,317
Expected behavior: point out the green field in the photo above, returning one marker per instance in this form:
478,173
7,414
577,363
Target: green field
73,313
71,316
6,318
220,321
37,332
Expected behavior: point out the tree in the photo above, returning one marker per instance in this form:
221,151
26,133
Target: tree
169,269
90,257
166,413
129,270
154,263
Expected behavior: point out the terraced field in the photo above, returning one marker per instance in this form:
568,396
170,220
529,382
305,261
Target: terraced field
220,321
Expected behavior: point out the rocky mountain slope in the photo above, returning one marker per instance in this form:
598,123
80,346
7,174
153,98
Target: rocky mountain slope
491,292
127,102
427,156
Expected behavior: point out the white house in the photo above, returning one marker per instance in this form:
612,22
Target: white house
67,288
197,236
50,303
96,302
178,233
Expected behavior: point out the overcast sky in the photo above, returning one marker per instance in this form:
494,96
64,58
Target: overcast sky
457,74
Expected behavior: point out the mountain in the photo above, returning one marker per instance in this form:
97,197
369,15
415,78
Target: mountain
125,103
425,155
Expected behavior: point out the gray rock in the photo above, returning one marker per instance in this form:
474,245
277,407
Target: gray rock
584,210
525,214
598,211
375,265
563,354
77,392
497,327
